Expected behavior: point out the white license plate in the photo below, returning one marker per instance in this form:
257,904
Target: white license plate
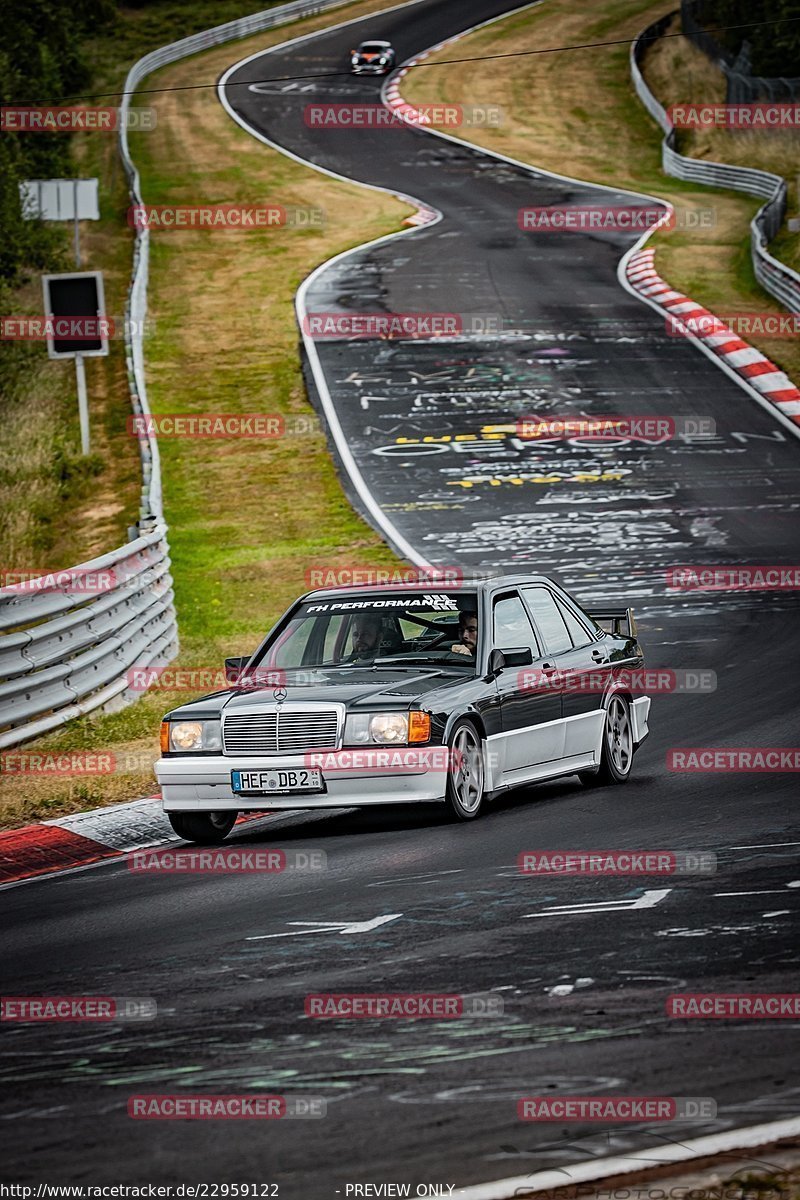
267,783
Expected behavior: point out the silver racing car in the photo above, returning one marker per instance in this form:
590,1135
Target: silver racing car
372,58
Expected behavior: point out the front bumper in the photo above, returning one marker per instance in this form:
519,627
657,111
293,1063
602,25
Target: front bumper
370,69
203,784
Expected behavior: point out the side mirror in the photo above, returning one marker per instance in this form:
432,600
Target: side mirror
234,668
520,656
497,660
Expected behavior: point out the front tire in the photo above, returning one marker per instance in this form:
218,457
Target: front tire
465,777
207,828
616,757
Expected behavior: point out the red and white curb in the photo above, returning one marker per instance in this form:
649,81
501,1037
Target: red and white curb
86,838
748,362
416,117
412,116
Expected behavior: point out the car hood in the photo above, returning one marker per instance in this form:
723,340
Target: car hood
359,687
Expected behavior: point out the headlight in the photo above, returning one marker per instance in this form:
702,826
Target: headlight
355,60
386,729
188,737
389,728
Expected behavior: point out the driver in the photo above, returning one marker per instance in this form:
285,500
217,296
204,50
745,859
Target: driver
366,636
467,633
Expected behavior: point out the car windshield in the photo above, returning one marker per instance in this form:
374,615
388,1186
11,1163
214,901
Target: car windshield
439,629
371,48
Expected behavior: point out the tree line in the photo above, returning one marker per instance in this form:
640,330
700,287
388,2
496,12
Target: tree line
41,61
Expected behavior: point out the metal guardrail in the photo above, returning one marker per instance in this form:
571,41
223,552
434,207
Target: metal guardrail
66,650
68,643
775,277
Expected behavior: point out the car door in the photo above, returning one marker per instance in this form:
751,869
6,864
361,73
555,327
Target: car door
530,697
582,664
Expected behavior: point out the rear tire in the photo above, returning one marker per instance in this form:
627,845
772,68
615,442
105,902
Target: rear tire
207,828
465,777
616,757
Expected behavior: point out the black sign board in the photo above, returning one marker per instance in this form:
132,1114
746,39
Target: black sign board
74,306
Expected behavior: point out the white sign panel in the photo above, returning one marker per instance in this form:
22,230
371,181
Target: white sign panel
56,199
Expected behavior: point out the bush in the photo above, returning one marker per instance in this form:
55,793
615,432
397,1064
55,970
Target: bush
774,44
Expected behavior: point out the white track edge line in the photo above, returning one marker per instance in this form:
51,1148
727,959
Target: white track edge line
747,1137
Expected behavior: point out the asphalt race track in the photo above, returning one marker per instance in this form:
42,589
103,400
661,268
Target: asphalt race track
435,1101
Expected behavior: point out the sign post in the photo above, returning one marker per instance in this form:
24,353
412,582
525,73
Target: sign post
75,306
83,404
61,200
77,225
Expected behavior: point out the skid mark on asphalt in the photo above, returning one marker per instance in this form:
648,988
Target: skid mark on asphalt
121,1063
443,432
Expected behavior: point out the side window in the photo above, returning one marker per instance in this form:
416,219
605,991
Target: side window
511,625
590,622
578,632
548,620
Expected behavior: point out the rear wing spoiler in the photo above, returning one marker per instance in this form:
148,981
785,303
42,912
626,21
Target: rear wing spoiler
622,620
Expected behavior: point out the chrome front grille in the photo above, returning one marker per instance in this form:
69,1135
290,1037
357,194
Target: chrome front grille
282,729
